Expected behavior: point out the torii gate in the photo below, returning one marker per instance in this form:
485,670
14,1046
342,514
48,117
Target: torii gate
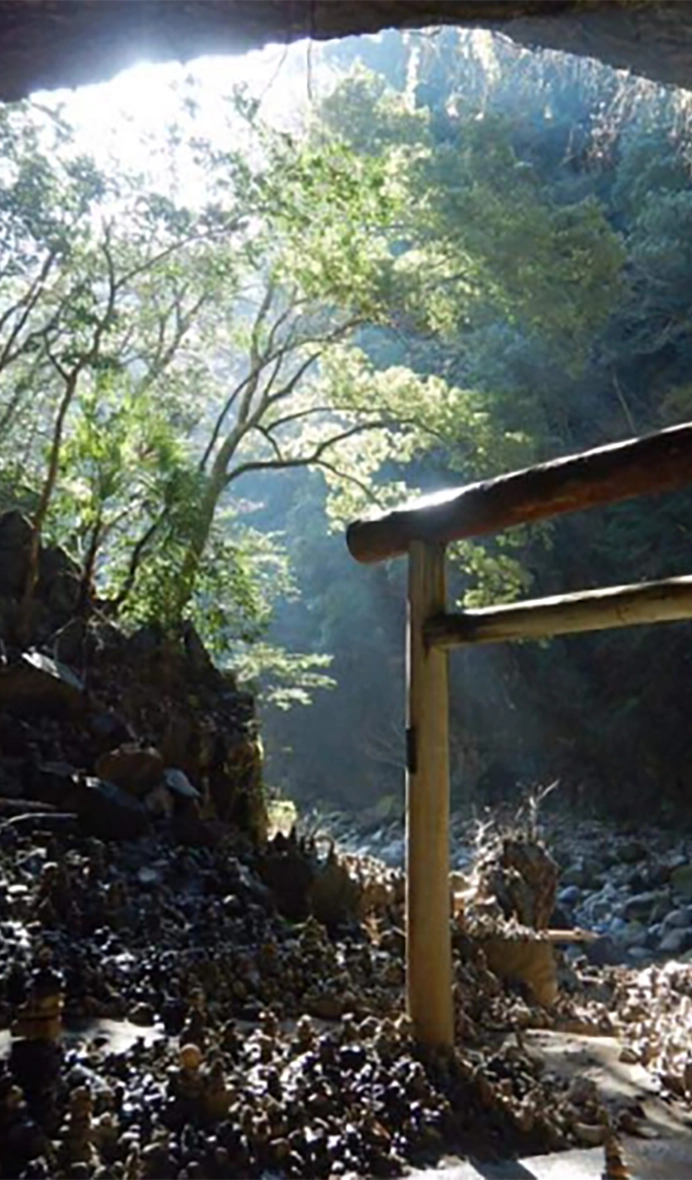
654,463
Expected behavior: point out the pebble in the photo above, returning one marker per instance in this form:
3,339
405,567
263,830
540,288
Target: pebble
645,905
681,881
634,934
677,918
570,896
676,941
190,941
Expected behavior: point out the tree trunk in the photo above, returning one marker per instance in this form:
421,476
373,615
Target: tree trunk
198,540
87,576
41,513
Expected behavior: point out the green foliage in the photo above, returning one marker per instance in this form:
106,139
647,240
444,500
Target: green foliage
477,229
540,291
470,258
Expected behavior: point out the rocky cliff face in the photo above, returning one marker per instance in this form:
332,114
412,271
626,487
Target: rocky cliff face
116,731
47,43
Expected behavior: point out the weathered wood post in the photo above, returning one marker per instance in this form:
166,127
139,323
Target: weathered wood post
428,940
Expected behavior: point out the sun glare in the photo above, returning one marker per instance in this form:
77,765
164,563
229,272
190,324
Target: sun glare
124,117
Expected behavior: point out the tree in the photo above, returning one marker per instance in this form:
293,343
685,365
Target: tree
183,344
104,283
600,708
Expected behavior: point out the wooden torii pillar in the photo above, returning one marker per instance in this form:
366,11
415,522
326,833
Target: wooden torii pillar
652,464
428,945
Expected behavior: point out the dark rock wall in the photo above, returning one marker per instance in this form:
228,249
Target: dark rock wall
121,730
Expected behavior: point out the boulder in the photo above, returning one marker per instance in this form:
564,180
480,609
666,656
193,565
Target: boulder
9,618
677,919
676,942
53,563
52,782
38,684
648,906
599,907
681,881
574,875
654,935
634,934
137,770
63,594
59,582
659,874
603,952
631,851
159,802
107,812
179,784
15,539
70,642
110,729
190,829
638,954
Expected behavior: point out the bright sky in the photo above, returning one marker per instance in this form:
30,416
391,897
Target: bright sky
113,118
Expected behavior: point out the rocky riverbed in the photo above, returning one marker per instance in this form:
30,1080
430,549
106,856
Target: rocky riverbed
632,888
185,1012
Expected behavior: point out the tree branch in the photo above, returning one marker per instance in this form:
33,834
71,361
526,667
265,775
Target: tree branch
287,389
300,414
28,302
135,559
193,239
351,479
271,440
305,460
218,425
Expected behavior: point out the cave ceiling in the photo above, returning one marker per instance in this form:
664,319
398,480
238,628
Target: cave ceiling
46,44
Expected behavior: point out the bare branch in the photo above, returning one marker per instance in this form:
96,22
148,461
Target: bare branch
310,460
312,411
292,304
345,475
28,303
218,425
257,359
269,385
57,366
287,389
271,440
136,556
165,356
193,239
